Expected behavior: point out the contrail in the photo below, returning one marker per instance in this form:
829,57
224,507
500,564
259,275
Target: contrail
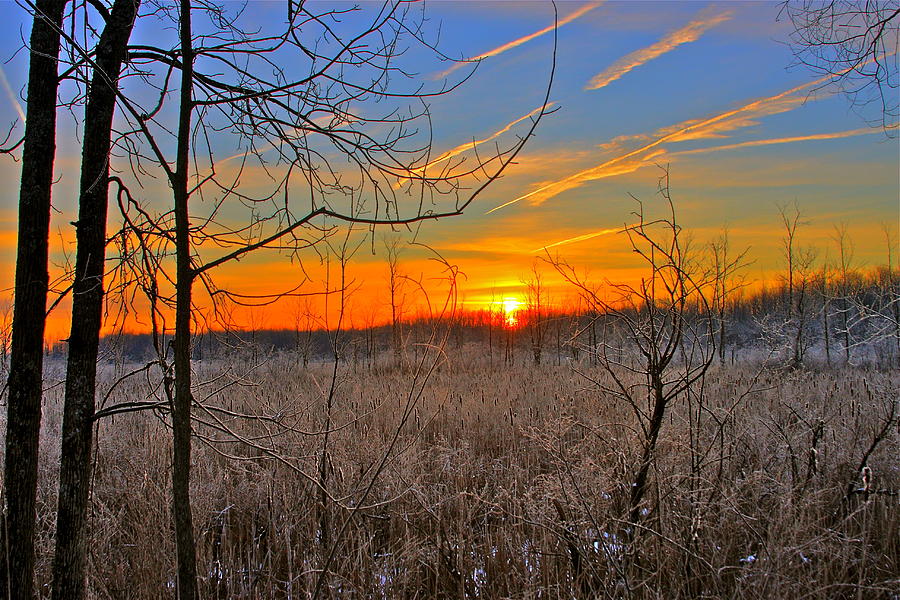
689,33
510,45
11,95
680,132
599,172
581,238
470,145
784,140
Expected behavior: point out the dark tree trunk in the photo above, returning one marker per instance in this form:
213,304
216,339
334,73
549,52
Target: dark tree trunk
32,279
639,487
181,413
87,307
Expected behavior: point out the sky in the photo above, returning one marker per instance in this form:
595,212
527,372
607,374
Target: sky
706,90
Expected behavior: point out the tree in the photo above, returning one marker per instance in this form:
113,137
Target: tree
5,333
23,421
798,260
535,312
725,282
668,320
854,43
304,112
845,256
396,282
87,304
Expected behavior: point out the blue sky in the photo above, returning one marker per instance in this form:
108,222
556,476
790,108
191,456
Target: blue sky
706,88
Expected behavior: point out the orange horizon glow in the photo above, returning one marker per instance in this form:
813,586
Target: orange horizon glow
703,94
510,307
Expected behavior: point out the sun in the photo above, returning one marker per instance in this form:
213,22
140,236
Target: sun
510,307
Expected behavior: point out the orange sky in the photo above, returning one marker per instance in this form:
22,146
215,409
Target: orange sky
702,89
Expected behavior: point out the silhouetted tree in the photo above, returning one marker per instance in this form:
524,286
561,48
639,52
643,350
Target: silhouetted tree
23,422
87,303
855,44
294,95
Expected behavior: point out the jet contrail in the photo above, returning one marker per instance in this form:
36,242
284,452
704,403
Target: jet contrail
680,131
784,140
581,238
689,33
518,42
470,145
11,95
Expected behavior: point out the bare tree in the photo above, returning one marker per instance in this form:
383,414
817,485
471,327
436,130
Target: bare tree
726,280
892,286
87,303
5,335
396,282
304,324
845,256
23,421
799,260
535,312
348,164
855,44
668,320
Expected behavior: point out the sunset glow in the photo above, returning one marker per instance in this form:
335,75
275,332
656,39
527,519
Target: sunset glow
511,306
703,90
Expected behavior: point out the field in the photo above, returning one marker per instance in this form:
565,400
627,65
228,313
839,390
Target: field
460,477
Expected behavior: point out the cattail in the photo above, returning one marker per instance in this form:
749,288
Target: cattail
867,481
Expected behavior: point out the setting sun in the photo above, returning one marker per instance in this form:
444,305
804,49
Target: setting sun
510,307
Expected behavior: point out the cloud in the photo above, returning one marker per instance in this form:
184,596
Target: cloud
748,144
518,42
784,140
611,168
420,172
581,238
716,126
11,95
689,33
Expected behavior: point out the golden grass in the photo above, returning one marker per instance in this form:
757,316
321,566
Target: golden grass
508,481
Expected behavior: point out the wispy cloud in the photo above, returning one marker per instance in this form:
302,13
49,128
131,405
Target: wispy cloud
621,165
712,127
518,42
748,144
581,238
11,95
785,140
419,172
689,33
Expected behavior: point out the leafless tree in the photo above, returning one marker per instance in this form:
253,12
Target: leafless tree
88,302
855,44
670,323
23,421
726,278
5,336
799,261
343,163
535,316
845,256
396,282
305,323
892,286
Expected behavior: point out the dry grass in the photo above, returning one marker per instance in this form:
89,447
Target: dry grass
506,482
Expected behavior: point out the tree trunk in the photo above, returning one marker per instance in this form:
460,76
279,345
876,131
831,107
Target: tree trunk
181,411
639,487
87,307
32,280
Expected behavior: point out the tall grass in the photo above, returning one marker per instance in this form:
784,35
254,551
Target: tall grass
508,481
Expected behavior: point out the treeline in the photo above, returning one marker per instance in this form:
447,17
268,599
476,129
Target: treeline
826,319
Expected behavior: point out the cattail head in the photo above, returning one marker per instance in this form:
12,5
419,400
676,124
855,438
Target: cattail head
867,479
